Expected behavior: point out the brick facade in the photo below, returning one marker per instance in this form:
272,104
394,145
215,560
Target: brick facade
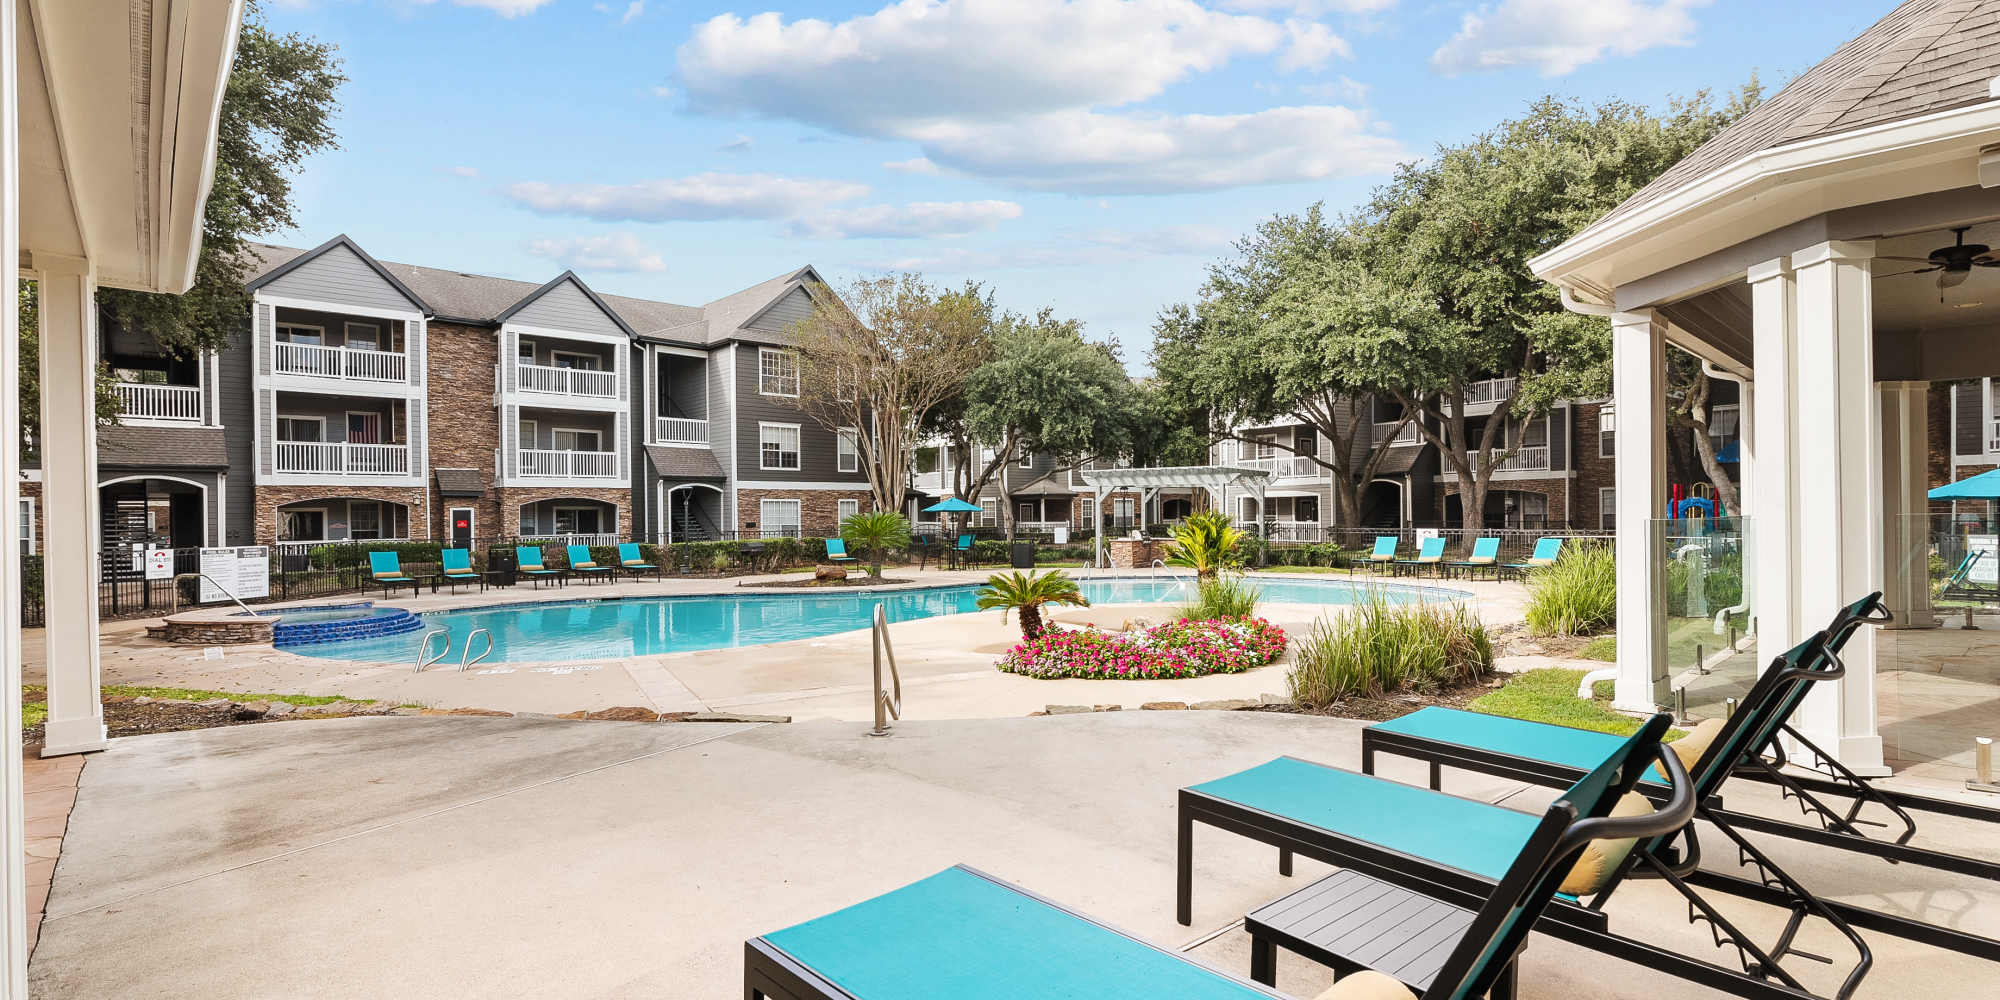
818,509
510,499
464,424
1552,488
1593,473
414,499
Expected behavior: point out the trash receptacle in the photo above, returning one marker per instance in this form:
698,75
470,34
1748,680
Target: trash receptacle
1023,555
500,560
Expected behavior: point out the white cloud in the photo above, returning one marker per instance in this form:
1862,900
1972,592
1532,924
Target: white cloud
632,11
1313,45
916,165
615,252
1558,36
663,92
1072,248
1312,8
463,171
706,196
915,220
740,144
504,8
1344,89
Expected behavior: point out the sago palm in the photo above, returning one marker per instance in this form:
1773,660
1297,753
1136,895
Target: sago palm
874,533
1205,543
1028,592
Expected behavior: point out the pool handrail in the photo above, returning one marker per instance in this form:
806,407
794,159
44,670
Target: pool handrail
887,705
465,658
424,649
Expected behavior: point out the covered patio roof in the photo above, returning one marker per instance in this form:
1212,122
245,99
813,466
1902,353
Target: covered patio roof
1213,478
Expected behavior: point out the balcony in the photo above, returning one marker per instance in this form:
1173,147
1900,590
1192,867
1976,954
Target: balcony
1283,466
567,381
1528,458
1491,390
545,463
681,431
1385,429
340,459
148,401
347,363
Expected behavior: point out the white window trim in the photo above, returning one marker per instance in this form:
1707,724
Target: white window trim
841,505
379,519
1027,459
798,448
556,512
1601,492
296,418
324,521
599,360
797,523
347,335
278,328
846,448
797,365
1607,422
26,513
524,344
553,431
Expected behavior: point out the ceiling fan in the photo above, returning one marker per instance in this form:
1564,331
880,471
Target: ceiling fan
1953,264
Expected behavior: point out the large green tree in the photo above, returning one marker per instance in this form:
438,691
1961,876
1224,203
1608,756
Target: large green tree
277,110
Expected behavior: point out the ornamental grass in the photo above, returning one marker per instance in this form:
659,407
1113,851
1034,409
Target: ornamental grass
1376,647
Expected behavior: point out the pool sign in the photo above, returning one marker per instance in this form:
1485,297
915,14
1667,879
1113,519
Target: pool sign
242,572
159,564
1986,569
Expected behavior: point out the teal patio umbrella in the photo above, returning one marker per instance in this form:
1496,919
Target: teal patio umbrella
1985,486
953,505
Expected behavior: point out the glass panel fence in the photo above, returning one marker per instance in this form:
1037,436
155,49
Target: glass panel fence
1710,654
1937,668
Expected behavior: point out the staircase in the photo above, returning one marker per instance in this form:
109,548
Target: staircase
690,523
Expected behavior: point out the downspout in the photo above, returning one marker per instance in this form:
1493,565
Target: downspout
1721,624
1573,304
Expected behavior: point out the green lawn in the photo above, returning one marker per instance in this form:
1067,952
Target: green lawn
33,713
1550,696
1604,647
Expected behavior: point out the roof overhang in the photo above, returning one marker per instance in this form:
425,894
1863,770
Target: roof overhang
1771,189
118,103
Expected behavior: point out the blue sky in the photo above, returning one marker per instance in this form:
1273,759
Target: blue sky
1090,155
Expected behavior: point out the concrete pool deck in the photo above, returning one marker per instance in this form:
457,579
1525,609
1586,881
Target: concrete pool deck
946,662
446,858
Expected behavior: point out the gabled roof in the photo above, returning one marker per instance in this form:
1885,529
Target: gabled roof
1925,56
551,285
734,313
684,463
299,258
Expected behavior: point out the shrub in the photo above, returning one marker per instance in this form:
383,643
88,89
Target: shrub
1205,542
1223,597
1376,647
1176,649
1028,592
874,533
1576,596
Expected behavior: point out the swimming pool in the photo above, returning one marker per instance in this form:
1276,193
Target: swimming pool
568,631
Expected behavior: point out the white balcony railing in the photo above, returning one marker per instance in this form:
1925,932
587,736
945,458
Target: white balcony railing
569,464
1283,466
597,539
1491,390
141,400
351,363
567,381
1527,458
680,430
340,459
1291,531
1386,428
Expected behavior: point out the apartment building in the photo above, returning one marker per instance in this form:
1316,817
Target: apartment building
376,400
1046,492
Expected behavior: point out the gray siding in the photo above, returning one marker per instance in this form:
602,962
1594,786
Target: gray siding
794,307
685,383
334,410
234,398
340,275
637,416
546,421
546,348
566,307
335,326
817,448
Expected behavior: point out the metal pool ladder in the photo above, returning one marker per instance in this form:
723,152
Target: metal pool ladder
424,659
888,701
465,658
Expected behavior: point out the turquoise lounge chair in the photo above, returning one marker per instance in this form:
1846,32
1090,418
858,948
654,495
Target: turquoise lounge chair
1385,550
631,561
1430,552
1546,551
458,569
1954,585
1485,555
836,551
387,571
580,561
528,559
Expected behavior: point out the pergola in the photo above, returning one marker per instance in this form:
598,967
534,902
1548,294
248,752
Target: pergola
1213,478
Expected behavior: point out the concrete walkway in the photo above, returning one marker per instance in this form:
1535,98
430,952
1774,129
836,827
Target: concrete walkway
464,857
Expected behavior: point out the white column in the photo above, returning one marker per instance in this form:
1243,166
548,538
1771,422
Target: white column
13,877
1905,503
1638,382
1839,463
66,293
1771,480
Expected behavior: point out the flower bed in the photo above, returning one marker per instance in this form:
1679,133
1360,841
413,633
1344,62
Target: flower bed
1181,648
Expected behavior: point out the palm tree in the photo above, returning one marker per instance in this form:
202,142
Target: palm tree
1028,592
874,533
1205,543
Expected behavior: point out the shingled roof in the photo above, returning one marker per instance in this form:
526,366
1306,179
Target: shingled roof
684,463
1925,56
145,446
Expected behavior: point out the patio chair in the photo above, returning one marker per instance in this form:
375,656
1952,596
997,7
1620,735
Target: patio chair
1546,551
528,559
921,545
963,934
1485,555
387,571
581,561
1409,837
836,551
631,561
1954,585
1430,552
962,551
1384,553
458,569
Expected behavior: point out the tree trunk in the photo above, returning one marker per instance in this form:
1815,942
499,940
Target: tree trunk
1031,621
1704,446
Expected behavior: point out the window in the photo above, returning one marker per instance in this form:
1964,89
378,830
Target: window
848,449
364,428
572,359
1607,509
529,435
577,521
302,429
1306,509
308,525
927,460
293,333
780,518
1024,513
778,446
1122,511
1086,509
1607,431
1722,422
844,509
364,336
1027,460
846,382
777,372
529,525
573,439
1525,510
524,352
27,526
989,513
364,519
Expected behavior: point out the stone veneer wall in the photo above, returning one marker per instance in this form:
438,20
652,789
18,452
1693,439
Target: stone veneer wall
464,424
270,498
511,498
818,515
1550,488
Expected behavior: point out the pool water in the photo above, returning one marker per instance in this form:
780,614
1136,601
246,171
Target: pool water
568,631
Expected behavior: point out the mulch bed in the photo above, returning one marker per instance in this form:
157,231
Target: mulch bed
1390,706
124,717
851,583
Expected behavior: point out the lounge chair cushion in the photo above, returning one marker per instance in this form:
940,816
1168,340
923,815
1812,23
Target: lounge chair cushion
1367,985
637,562
391,575
586,564
460,572
1689,748
1600,858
